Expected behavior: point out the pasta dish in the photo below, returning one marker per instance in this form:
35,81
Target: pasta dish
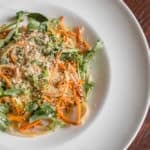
44,74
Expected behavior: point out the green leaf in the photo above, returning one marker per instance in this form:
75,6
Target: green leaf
88,86
4,123
2,42
11,92
26,91
31,106
70,56
43,26
33,24
4,108
45,111
82,69
38,17
34,80
84,59
37,62
52,37
54,23
55,124
20,15
44,74
74,55
89,55
73,50
1,91
36,25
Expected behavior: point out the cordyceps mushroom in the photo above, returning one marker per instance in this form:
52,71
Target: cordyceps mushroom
8,71
5,79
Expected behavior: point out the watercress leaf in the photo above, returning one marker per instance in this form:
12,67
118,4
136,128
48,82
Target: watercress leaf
33,24
88,85
43,26
2,42
11,92
55,123
70,56
52,37
38,17
84,59
89,55
4,108
45,111
1,91
26,91
54,22
20,15
31,106
4,123
44,74
70,50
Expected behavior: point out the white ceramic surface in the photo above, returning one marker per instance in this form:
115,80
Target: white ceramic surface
120,99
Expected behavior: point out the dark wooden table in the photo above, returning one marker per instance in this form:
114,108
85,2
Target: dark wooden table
141,9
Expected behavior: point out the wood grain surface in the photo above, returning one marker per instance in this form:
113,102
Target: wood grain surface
141,9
